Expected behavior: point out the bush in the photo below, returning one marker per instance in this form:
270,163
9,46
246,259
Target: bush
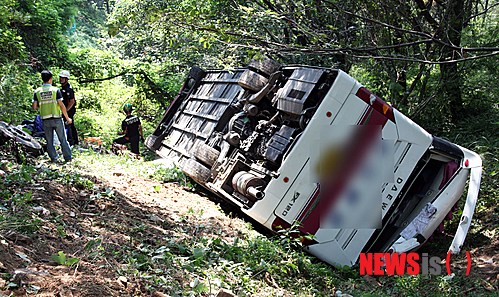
16,93
87,125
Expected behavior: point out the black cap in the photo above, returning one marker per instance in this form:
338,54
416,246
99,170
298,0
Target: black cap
46,75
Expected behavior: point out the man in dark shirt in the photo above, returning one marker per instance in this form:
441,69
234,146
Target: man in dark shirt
131,129
69,101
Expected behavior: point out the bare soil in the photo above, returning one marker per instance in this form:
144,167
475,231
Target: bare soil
131,211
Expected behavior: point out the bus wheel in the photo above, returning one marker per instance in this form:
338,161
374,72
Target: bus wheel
205,154
252,81
265,66
197,171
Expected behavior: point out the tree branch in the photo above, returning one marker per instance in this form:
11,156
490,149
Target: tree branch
158,93
427,61
349,52
266,44
487,9
417,33
90,80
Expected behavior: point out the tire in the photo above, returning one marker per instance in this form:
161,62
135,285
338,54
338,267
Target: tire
205,154
151,142
197,171
252,81
265,66
197,73
30,144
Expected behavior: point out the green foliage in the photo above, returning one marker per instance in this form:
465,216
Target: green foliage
16,92
215,263
87,27
15,203
165,174
28,30
479,133
41,25
87,125
103,83
89,63
107,164
68,176
61,259
100,112
88,99
160,31
94,248
12,47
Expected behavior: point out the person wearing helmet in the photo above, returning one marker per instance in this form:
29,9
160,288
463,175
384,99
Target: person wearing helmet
48,100
131,130
69,101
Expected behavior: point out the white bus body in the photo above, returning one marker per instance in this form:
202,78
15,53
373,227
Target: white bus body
312,148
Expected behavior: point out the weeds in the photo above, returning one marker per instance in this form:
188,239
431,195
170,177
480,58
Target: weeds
15,203
61,259
214,263
16,193
109,164
170,175
67,176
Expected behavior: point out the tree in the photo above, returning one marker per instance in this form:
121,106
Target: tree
31,38
41,25
414,49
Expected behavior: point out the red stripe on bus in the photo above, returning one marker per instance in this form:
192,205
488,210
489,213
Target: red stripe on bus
368,133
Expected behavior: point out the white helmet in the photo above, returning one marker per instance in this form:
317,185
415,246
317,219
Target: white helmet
64,73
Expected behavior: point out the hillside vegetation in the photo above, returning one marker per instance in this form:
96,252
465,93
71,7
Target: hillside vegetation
109,225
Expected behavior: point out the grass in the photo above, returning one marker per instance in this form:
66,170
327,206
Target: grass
109,164
15,203
250,264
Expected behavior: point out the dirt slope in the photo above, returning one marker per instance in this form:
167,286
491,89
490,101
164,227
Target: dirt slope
125,208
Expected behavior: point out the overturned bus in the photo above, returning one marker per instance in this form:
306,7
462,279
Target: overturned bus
312,148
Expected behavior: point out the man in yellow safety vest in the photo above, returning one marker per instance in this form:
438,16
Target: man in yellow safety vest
48,99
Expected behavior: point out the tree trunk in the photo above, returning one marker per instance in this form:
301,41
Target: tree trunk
450,75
